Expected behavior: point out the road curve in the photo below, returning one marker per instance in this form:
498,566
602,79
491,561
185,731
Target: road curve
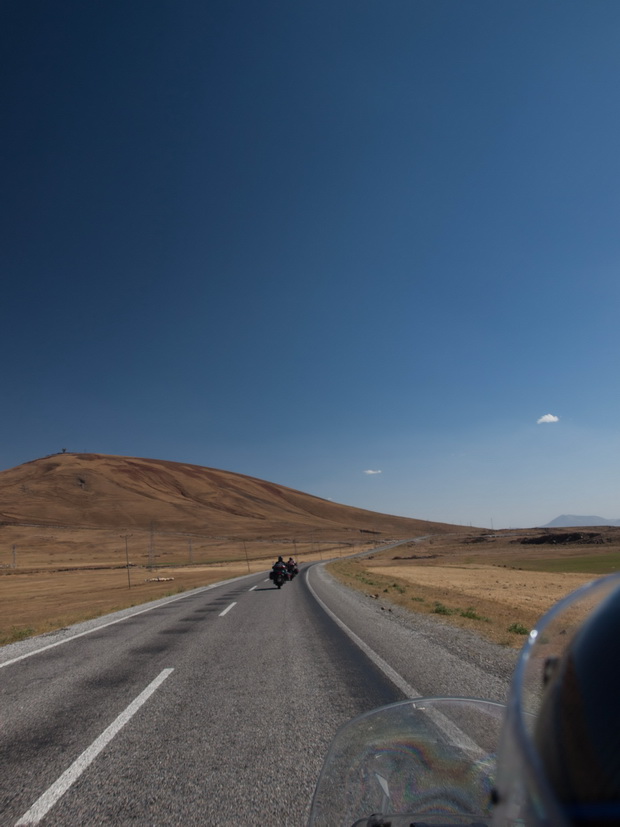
214,707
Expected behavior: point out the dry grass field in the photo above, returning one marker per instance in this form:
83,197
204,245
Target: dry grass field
85,534
39,598
495,584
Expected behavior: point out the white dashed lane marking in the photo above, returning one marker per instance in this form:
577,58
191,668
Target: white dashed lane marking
227,609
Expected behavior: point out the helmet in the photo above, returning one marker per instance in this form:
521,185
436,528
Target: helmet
559,755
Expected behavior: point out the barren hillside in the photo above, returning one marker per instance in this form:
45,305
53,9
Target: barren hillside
101,491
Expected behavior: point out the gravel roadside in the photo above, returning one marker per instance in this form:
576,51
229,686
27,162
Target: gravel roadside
433,656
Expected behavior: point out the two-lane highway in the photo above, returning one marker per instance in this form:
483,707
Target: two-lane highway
214,708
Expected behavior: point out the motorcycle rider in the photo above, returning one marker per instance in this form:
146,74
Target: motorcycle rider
291,567
279,565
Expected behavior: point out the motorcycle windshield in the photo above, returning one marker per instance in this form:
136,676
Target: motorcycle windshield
428,760
525,794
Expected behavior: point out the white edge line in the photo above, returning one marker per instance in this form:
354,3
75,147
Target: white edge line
227,609
449,728
118,620
44,804
385,667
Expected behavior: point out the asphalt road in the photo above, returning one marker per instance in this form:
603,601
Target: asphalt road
216,707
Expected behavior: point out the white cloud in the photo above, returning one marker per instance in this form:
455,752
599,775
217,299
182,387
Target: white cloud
369,471
547,418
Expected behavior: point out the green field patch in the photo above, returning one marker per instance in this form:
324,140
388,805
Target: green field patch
15,634
440,609
472,614
589,564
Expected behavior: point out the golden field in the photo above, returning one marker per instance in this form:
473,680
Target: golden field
85,534
40,599
492,583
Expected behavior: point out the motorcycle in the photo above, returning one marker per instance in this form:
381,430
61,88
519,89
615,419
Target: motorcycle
456,761
278,576
292,572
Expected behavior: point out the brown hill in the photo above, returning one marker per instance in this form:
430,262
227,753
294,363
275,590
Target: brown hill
98,491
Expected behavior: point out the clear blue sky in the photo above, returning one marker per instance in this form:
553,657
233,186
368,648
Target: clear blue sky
307,240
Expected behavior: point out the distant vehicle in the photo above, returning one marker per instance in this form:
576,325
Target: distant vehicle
279,573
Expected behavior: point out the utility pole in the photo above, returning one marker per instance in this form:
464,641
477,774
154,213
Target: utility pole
151,549
246,557
191,553
127,560
14,559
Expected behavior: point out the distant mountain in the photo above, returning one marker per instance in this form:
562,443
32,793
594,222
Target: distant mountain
571,520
